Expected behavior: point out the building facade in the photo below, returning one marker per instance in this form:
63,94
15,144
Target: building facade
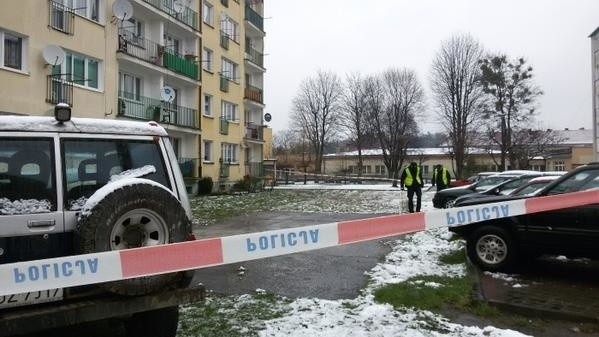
232,95
595,80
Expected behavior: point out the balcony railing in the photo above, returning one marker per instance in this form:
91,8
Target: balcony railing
61,17
254,56
254,169
156,54
188,165
151,109
224,40
224,83
59,90
254,18
187,16
253,93
224,126
254,131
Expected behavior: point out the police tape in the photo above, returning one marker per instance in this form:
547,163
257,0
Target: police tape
68,271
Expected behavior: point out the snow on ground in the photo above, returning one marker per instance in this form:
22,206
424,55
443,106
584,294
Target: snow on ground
416,255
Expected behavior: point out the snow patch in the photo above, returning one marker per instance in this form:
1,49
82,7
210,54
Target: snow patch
24,206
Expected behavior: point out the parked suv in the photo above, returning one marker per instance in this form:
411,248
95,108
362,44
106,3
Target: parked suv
83,186
500,244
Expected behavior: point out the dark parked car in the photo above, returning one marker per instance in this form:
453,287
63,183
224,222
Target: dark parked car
508,187
445,198
499,244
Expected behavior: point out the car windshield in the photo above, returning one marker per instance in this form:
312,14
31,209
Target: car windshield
488,182
584,180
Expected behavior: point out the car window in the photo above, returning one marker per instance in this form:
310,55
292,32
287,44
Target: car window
26,176
90,163
581,181
488,182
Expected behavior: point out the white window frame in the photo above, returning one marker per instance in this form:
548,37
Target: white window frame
207,59
230,27
208,105
173,43
137,83
134,30
229,111
229,153
86,60
24,48
559,165
208,155
208,13
229,69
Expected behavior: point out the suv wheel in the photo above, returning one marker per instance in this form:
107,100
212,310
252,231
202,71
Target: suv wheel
449,203
491,248
132,216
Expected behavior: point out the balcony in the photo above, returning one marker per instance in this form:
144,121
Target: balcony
188,165
254,56
61,17
188,17
224,126
254,18
59,90
254,132
156,54
151,109
254,169
253,93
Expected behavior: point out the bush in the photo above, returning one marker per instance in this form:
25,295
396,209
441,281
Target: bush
205,186
248,184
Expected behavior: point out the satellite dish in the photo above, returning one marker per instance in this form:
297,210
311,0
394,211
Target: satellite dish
122,9
178,6
267,117
167,94
53,54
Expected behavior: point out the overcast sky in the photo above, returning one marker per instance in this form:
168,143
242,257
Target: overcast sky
347,36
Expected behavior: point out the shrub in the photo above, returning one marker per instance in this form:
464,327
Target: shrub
205,186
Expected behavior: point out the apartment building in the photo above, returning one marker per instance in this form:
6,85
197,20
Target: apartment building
106,63
232,90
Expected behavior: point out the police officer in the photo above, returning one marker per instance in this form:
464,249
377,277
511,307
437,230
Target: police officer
441,177
411,178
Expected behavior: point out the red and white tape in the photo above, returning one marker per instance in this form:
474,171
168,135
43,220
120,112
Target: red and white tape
78,270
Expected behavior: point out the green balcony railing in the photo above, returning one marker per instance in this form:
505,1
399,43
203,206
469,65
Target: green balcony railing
152,109
254,56
224,169
254,18
224,83
254,169
224,126
187,16
180,65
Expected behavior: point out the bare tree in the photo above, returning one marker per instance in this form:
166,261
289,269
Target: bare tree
285,142
354,115
457,94
509,86
316,111
529,143
394,98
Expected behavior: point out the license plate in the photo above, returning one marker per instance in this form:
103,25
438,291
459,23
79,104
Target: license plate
34,297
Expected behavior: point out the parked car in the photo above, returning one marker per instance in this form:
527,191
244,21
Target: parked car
445,198
78,186
508,187
500,244
472,179
534,186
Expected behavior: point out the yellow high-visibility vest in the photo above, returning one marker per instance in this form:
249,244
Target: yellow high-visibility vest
409,179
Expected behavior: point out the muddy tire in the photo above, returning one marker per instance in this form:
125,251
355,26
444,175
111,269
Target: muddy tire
132,216
492,248
155,323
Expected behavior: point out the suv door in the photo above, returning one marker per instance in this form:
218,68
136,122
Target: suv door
31,219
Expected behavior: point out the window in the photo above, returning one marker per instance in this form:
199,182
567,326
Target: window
207,59
208,13
207,105
133,31
80,70
379,169
229,153
229,111
86,8
172,44
559,165
12,49
27,173
208,151
89,164
229,27
229,70
130,86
